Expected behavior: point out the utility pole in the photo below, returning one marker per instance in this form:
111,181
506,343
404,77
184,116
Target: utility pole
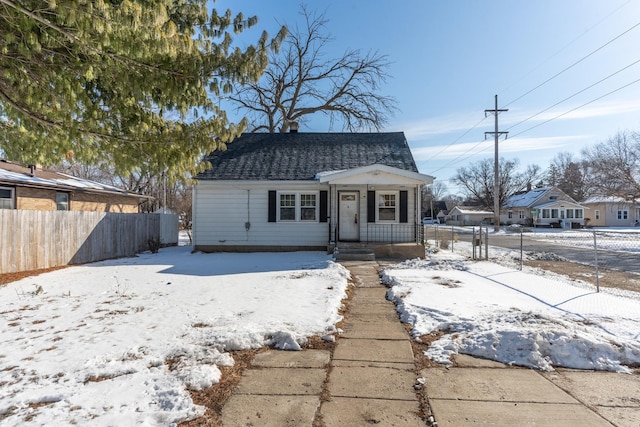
496,170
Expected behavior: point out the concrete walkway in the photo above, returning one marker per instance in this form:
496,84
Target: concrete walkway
371,377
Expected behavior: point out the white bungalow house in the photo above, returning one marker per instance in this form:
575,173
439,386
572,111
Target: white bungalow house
546,206
469,215
310,191
612,212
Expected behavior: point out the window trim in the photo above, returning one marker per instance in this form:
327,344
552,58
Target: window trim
12,197
67,202
396,207
298,206
279,206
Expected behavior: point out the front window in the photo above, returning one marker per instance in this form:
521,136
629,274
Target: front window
288,207
554,213
308,207
623,214
521,214
387,207
545,213
597,214
578,213
298,207
6,198
510,214
62,201
570,213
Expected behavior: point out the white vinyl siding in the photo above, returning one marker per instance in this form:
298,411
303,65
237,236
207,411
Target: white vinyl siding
228,215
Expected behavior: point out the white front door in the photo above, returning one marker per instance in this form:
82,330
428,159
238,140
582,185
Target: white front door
348,226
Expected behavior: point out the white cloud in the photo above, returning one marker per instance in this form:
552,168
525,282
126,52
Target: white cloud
455,125
516,145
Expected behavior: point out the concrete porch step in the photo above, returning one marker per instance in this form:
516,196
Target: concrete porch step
354,254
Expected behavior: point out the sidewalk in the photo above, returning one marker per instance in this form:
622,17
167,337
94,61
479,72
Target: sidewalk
370,379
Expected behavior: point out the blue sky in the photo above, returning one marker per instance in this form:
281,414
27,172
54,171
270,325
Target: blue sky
449,59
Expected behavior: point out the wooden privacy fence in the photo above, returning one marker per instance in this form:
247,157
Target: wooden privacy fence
30,240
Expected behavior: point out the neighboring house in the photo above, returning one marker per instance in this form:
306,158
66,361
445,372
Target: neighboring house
612,212
442,216
469,215
34,188
547,206
309,191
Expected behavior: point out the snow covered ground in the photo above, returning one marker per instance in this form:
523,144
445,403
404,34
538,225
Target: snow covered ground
528,318
88,345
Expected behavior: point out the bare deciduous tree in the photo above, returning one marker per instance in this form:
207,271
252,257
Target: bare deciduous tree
431,194
477,180
300,81
568,174
178,194
614,166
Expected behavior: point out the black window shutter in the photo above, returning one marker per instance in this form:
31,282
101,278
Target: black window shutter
323,205
404,206
272,206
371,206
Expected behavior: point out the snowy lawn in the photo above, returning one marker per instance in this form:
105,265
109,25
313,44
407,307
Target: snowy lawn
88,345
527,318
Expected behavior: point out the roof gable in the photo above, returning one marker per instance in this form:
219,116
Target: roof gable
302,156
526,199
374,174
469,210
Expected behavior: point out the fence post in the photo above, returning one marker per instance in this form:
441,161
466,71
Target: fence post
595,254
452,238
521,252
486,243
473,243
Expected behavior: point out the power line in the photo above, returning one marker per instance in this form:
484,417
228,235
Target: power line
457,139
577,108
574,64
566,46
575,94
461,157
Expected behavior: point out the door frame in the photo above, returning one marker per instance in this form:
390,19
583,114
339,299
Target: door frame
357,194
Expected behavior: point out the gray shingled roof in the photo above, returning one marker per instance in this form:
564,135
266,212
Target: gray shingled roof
300,156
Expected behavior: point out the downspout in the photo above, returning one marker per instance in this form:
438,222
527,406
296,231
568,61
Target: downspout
194,214
247,225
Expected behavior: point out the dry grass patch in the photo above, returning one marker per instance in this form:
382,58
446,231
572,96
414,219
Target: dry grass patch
214,397
12,277
608,278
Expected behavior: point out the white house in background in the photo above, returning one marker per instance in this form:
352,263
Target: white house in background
310,191
469,215
612,212
546,206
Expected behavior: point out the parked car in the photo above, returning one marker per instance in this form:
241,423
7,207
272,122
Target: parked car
428,220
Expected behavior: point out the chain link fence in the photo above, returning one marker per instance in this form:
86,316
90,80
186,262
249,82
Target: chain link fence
602,259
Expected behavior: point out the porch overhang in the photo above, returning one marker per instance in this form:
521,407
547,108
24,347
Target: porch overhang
374,175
